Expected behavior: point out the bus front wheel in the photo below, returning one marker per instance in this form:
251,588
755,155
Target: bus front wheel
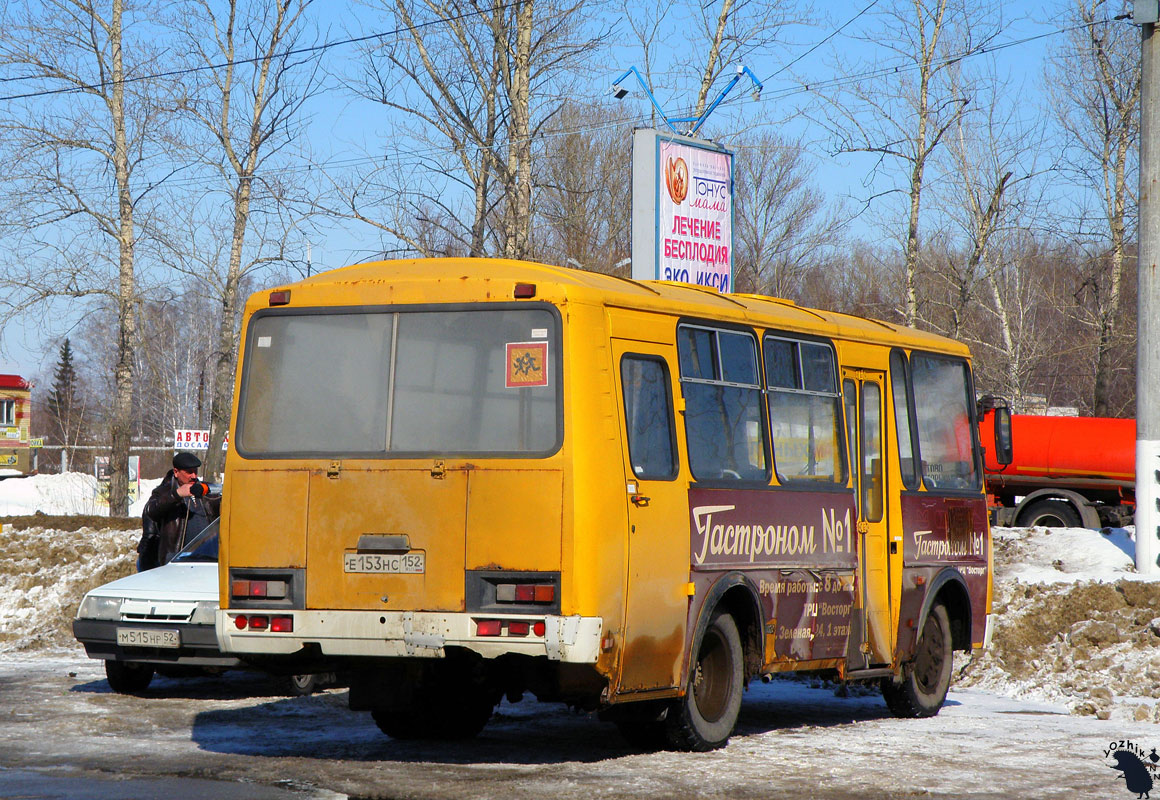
925,680
704,718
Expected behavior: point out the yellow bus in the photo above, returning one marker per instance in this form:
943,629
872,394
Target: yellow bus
469,479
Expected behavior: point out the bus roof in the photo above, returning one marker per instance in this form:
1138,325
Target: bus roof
450,280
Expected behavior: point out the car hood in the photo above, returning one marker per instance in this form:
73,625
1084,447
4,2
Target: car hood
196,582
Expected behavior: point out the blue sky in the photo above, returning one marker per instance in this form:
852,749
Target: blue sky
346,128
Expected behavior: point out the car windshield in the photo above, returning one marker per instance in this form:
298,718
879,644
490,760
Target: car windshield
203,547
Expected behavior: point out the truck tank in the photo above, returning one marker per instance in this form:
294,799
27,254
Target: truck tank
1065,471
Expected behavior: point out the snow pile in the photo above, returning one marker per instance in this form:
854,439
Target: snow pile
70,493
44,573
1074,623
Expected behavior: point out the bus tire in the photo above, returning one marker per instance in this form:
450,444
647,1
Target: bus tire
704,718
128,677
1049,514
926,679
462,719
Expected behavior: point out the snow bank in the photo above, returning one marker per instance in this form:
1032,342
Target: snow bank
1074,623
70,493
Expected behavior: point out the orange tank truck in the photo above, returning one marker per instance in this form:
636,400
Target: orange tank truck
1065,472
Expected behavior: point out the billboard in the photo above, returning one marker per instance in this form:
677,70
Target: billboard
682,210
194,439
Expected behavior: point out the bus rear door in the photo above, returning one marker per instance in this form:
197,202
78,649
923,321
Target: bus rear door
658,537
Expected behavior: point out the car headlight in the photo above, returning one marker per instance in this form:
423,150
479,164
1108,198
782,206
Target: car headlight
205,613
99,608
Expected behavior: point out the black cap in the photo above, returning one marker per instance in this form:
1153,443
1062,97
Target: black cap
186,461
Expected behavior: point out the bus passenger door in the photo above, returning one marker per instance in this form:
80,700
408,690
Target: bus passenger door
862,396
658,518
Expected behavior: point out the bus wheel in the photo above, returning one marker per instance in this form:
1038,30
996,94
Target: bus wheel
926,679
127,677
705,716
451,699
462,718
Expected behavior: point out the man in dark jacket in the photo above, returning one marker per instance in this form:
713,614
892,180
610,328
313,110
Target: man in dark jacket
174,514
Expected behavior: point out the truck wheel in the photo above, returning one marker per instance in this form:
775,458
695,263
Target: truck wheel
705,716
926,679
1049,514
128,677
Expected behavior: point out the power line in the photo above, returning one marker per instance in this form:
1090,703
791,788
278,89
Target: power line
833,33
418,154
319,48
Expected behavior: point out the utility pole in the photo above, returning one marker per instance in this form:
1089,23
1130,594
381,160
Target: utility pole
1147,14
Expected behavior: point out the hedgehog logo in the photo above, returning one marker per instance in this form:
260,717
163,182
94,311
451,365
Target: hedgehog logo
1138,770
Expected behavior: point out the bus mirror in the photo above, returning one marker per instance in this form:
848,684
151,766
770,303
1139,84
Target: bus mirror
1003,443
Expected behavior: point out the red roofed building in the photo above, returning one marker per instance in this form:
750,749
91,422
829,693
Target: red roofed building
15,413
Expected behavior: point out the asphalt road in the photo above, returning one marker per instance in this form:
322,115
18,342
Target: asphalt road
65,734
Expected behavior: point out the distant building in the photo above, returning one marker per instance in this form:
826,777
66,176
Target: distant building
15,413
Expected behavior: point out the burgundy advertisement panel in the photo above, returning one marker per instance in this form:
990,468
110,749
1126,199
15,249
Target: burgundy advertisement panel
812,615
950,531
734,528
798,549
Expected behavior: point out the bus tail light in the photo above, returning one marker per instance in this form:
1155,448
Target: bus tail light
282,624
271,590
513,627
259,623
525,593
488,627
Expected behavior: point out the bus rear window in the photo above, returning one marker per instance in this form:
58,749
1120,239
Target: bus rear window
370,384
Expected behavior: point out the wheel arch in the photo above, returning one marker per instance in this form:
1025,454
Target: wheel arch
736,594
950,588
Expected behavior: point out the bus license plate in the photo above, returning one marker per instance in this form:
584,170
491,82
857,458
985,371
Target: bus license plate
381,563
140,637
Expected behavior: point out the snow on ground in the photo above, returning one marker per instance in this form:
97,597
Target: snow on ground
70,493
1074,623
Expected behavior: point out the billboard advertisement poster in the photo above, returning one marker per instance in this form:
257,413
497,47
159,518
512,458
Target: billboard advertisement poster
193,439
682,210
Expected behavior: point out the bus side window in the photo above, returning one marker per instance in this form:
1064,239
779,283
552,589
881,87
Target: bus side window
804,411
943,403
900,393
850,401
648,411
723,424
873,483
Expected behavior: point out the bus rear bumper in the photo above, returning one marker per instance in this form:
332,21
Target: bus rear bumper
401,634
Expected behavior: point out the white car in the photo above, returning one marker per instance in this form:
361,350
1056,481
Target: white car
162,620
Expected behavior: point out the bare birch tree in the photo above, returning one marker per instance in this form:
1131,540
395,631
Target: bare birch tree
478,85
78,167
1096,94
251,108
902,111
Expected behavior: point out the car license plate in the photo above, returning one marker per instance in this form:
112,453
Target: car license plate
385,563
143,637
